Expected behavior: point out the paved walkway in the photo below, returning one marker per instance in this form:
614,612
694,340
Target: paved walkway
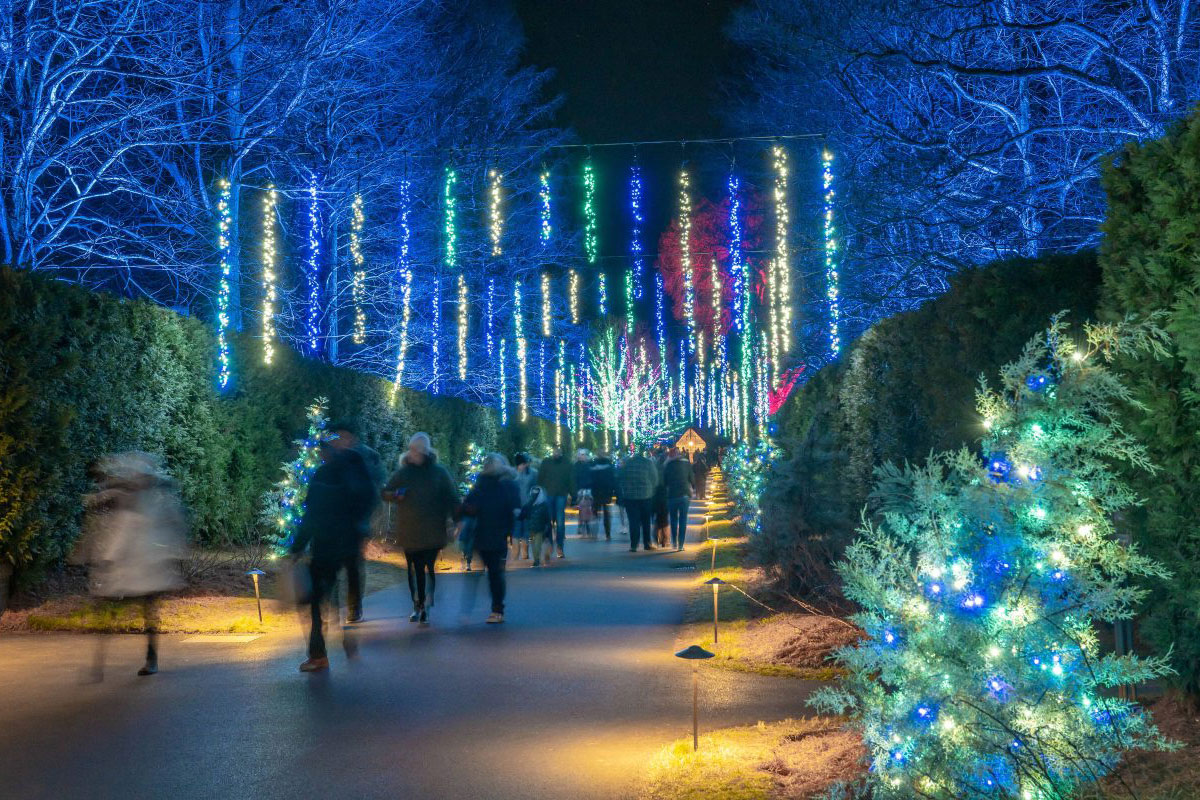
568,699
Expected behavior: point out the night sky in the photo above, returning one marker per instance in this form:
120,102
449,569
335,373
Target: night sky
632,69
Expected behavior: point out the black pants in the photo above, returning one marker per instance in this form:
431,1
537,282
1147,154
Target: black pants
324,574
639,522
420,567
494,561
603,509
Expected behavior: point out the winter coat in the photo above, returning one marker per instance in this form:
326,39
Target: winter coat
637,478
700,469
677,476
424,498
493,503
604,482
581,475
337,509
525,482
136,538
555,476
536,512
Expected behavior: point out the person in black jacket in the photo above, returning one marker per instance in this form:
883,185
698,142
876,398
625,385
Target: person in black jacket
337,513
493,503
604,489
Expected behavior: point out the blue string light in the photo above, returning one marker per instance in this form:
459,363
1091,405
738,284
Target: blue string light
225,247
404,267
638,262
313,270
544,195
831,270
489,323
660,325
737,265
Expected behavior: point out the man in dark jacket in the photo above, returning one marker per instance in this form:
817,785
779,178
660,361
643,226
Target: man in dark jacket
604,489
494,503
555,476
677,478
637,479
336,513
345,437
700,476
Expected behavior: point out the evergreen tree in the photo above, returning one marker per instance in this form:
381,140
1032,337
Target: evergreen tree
283,505
981,675
472,465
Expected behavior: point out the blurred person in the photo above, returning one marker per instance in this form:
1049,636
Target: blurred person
135,537
345,437
424,500
604,490
494,503
700,475
662,511
677,482
637,481
581,478
535,514
527,478
337,512
555,476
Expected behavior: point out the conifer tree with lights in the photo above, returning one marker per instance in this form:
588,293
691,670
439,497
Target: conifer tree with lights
283,505
746,467
472,465
980,674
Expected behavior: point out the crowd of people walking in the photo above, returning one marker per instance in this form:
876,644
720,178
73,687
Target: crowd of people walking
517,511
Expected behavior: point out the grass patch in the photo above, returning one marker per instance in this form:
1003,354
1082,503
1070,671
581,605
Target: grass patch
793,759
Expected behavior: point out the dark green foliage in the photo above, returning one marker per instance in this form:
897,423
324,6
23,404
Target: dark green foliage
1151,262
902,391
85,374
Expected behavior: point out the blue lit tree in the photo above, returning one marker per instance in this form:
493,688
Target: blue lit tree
981,675
283,505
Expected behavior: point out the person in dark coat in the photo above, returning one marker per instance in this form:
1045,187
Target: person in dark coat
555,476
662,512
494,503
424,500
337,511
345,436
700,475
604,489
677,481
637,481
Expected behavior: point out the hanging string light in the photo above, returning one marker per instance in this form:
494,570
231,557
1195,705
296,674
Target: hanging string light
719,352
573,292
225,248
463,323
519,333
740,318
495,220
559,391
637,258
547,317
544,196
490,321
542,375
312,272
685,257
831,268
591,237
436,337
450,260
503,388
660,325
359,283
781,265
406,278
270,291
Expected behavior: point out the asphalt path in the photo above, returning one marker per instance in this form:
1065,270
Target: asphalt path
569,698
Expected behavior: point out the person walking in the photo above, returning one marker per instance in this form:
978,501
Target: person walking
135,537
345,436
424,501
555,476
700,476
527,478
637,480
661,510
535,514
494,503
604,490
581,477
677,482
337,511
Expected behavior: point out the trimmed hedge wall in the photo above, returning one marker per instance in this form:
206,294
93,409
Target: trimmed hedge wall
906,388
86,374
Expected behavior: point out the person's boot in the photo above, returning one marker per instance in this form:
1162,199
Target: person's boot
315,664
416,614
423,618
151,665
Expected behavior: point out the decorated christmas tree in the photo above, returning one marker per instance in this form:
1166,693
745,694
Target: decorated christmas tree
746,467
471,467
283,505
981,674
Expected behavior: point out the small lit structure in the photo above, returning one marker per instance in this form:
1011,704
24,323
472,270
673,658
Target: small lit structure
695,654
254,575
716,583
691,443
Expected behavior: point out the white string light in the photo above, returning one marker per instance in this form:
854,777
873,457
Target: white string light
495,220
831,268
270,290
225,247
573,292
591,238
490,321
519,325
406,279
450,236
503,387
544,195
358,286
435,339
547,318
463,323
313,268
781,265
685,257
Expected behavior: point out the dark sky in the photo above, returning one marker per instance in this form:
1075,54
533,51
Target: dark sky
632,69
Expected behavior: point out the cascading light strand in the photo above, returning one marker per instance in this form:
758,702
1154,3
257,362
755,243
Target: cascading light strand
503,386
831,265
225,249
782,300
270,289
495,217
450,260
660,325
463,324
547,315
490,322
573,294
436,338
312,271
545,229
637,265
358,286
591,237
685,258
519,335
406,279
740,312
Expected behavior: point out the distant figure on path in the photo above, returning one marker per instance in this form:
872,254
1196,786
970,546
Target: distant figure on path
337,512
700,475
677,480
637,480
134,539
604,490
554,475
535,515
424,500
661,512
494,503
345,437
527,478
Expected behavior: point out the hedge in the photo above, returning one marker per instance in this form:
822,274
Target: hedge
86,374
905,389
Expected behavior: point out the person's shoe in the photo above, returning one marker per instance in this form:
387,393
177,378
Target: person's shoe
423,619
468,567
315,665
495,618
650,547
415,615
357,618
633,549
150,668
561,554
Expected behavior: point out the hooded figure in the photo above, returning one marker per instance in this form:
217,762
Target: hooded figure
494,503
